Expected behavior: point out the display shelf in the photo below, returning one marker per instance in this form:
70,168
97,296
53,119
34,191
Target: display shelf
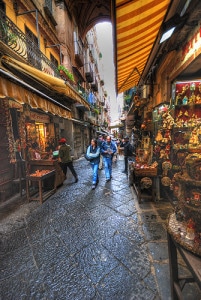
193,263
178,231
141,192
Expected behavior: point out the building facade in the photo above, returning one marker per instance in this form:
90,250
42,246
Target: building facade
49,86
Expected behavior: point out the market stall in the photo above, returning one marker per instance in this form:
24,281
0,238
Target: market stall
40,185
39,165
144,173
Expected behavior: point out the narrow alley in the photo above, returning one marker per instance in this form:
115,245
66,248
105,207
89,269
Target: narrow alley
86,244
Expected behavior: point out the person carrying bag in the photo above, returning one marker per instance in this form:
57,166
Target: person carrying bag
108,150
93,153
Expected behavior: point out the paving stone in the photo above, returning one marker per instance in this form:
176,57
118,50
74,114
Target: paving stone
127,209
23,286
121,284
129,253
163,275
49,252
149,216
158,251
10,243
154,231
96,261
16,262
68,281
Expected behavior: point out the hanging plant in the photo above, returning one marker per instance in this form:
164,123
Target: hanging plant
96,111
63,69
102,82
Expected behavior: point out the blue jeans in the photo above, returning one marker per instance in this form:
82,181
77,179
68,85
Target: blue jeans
95,173
108,167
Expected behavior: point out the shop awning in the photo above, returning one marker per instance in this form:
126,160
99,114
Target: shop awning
137,26
49,81
23,95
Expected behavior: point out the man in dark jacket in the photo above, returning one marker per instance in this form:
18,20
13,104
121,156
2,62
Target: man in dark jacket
66,159
108,149
128,153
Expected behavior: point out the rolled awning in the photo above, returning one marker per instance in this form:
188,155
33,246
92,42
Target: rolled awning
137,26
23,95
51,82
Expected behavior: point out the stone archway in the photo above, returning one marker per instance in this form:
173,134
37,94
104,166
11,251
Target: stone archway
88,13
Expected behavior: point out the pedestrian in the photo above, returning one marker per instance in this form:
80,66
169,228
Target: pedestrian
108,150
100,141
66,159
93,152
128,153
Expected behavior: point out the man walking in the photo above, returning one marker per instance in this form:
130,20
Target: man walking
107,150
66,159
128,153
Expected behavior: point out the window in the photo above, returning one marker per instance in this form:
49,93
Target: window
48,3
54,60
32,48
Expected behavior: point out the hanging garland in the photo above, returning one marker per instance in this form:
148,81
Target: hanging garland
22,132
9,130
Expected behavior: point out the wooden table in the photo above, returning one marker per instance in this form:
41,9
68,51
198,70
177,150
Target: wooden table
47,164
193,263
41,194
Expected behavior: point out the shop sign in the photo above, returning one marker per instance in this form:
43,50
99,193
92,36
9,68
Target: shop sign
39,117
192,45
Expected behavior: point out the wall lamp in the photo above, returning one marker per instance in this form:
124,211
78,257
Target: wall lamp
171,26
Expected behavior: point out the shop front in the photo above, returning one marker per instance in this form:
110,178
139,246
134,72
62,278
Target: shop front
29,136
177,141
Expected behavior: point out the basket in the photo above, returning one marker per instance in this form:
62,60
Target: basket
150,172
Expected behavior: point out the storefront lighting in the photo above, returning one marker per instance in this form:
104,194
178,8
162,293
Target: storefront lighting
167,34
172,25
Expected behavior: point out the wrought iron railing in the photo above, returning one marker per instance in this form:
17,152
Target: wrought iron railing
15,39
82,92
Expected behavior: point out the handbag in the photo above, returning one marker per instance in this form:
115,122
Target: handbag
87,157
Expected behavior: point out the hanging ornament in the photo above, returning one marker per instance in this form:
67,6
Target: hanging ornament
146,183
166,181
166,166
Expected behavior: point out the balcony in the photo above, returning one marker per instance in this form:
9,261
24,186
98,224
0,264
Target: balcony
14,40
89,73
79,58
94,86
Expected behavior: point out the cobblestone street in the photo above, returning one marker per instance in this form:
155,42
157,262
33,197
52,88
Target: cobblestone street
86,244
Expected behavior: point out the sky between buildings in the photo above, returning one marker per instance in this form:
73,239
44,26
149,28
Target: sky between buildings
105,43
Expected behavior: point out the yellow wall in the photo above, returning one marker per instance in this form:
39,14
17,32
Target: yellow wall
29,21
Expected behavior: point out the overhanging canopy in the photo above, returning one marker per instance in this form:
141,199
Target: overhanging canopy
137,26
51,82
23,95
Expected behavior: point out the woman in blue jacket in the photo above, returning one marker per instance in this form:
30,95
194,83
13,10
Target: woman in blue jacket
93,152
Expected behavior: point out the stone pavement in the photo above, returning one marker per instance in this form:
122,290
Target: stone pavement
86,244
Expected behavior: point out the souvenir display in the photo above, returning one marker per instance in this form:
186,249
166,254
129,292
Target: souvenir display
185,223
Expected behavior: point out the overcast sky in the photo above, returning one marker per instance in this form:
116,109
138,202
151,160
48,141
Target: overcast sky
105,42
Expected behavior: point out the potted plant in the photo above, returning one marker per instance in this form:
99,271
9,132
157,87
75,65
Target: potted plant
102,82
96,111
65,72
